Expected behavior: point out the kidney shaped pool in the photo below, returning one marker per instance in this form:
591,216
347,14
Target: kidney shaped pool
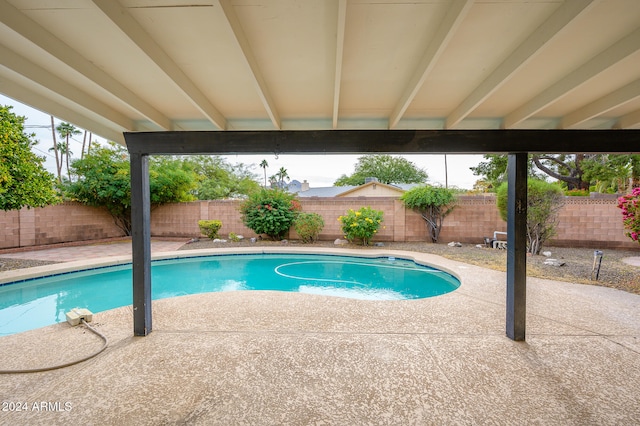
44,301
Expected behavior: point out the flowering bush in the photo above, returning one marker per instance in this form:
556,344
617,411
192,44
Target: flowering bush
270,212
630,205
362,224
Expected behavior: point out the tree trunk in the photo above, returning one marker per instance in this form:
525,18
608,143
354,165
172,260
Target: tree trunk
55,151
66,147
84,141
89,144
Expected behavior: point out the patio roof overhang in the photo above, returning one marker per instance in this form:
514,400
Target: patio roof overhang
334,76
157,65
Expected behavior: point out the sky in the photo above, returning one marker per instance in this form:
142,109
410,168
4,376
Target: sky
318,170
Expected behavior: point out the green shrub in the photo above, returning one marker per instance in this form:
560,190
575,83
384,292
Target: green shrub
234,237
308,226
577,192
544,200
210,228
433,203
362,224
270,212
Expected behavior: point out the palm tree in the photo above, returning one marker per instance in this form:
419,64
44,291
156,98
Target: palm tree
264,166
282,175
65,131
55,151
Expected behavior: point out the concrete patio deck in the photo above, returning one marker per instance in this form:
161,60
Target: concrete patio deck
271,358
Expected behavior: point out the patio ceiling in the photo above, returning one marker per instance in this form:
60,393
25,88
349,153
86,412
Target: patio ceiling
154,65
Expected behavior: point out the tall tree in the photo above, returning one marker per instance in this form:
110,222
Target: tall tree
218,179
612,172
104,181
282,175
89,143
264,166
493,171
84,144
66,131
24,182
55,151
566,168
608,172
386,168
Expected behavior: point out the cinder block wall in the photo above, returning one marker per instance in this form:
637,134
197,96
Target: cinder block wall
473,218
72,222
10,225
583,222
591,222
61,223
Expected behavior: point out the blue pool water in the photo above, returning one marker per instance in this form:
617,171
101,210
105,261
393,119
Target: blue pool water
45,301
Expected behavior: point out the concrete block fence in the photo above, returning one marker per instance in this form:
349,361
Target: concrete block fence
583,222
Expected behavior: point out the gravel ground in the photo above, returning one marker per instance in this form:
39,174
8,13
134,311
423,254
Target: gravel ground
7,264
578,262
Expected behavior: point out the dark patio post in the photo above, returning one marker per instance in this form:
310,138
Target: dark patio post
517,246
141,243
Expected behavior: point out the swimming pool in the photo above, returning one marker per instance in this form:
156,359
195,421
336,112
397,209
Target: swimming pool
44,301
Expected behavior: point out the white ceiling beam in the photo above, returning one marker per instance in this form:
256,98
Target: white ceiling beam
629,121
601,106
17,91
337,74
605,59
546,32
247,53
19,65
36,34
130,27
448,26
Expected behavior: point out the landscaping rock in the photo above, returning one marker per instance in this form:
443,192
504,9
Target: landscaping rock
340,242
554,262
546,253
454,244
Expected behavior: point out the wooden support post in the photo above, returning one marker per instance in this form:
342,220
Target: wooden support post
517,246
141,243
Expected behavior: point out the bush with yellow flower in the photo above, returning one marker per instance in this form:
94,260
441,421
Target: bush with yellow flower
361,225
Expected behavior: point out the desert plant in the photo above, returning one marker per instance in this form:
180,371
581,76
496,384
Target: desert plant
630,206
544,200
270,212
308,226
362,224
210,228
234,237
